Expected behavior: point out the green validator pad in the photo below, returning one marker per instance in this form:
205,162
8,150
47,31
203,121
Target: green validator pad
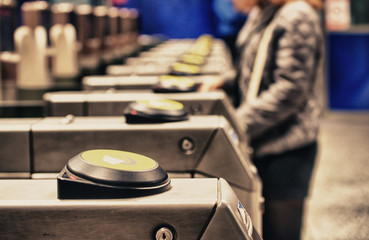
162,104
192,59
155,111
179,68
174,84
119,160
105,173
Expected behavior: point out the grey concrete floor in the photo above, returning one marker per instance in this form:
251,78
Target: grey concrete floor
338,205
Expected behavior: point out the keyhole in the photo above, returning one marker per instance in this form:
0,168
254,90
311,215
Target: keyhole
164,233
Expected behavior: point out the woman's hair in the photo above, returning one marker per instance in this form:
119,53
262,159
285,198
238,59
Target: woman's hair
318,4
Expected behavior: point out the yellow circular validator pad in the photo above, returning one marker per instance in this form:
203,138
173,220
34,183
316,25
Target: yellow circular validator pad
193,59
163,104
119,160
168,80
187,68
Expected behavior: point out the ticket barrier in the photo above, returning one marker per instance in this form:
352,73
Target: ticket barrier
105,82
201,56
205,209
153,61
182,50
162,62
21,109
112,103
160,69
202,146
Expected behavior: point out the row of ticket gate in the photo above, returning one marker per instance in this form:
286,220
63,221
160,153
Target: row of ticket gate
117,161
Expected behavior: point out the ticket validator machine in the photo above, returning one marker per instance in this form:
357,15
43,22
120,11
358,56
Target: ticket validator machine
132,82
201,146
112,103
104,193
202,56
200,59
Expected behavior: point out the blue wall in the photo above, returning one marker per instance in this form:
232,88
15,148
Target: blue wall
348,70
175,18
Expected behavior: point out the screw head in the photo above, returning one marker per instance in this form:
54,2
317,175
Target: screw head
187,145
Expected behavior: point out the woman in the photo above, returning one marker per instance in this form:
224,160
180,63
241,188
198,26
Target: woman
282,120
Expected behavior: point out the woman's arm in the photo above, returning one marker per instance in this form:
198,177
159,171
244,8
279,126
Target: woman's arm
293,73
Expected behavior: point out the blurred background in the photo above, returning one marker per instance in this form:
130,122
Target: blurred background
337,209
347,35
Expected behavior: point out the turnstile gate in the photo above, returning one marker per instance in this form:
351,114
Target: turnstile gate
205,209
203,146
112,103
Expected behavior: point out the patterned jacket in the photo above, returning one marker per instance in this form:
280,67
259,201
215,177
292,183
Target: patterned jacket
285,114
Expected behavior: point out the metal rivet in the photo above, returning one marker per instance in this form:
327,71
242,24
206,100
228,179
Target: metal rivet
196,109
67,119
